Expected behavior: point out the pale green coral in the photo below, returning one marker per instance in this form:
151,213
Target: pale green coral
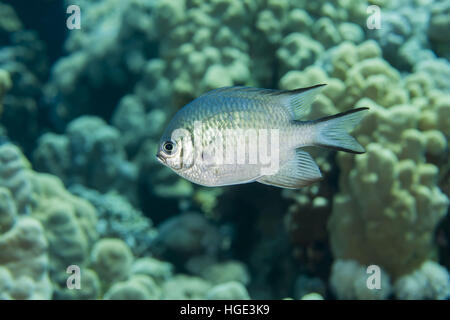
66,222
23,254
117,218
438,27
182,287
227,271
312,296
349,281
232,290
298,51
111,259
429,281
8,211
138,287
9,22
24,261
393,224
389,203
5,85
151,57
159,271
91,154
90,287
69,223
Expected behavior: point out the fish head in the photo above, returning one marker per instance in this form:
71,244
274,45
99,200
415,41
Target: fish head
170,154
176,149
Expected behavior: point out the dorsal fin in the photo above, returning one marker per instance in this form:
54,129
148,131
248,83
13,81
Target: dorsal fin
297,101
301,99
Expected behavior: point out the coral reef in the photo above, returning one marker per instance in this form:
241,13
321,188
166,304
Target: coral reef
138,287
96,69
438,24
348,281
5,85
44,229
399,217
87,107
117,218
389,203
23,57
23,258
403,35
182,287
58,227
429,281
228,291
187,240
91,154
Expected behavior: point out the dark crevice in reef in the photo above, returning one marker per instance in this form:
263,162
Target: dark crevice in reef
256,231
43,16
442,239
45,43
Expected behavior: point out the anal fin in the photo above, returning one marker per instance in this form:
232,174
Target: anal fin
300,171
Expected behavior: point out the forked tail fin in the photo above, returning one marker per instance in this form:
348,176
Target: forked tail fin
333,131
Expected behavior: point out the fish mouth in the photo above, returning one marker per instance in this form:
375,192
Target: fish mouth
160,158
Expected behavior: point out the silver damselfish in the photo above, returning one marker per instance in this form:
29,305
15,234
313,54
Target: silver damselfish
236,135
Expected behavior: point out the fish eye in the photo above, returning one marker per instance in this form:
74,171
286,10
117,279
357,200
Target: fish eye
169,147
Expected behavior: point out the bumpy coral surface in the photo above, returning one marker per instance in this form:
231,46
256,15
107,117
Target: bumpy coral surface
82,111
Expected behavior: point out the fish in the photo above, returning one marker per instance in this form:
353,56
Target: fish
236,135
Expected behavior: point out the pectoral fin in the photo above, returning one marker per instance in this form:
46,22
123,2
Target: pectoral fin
298,172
